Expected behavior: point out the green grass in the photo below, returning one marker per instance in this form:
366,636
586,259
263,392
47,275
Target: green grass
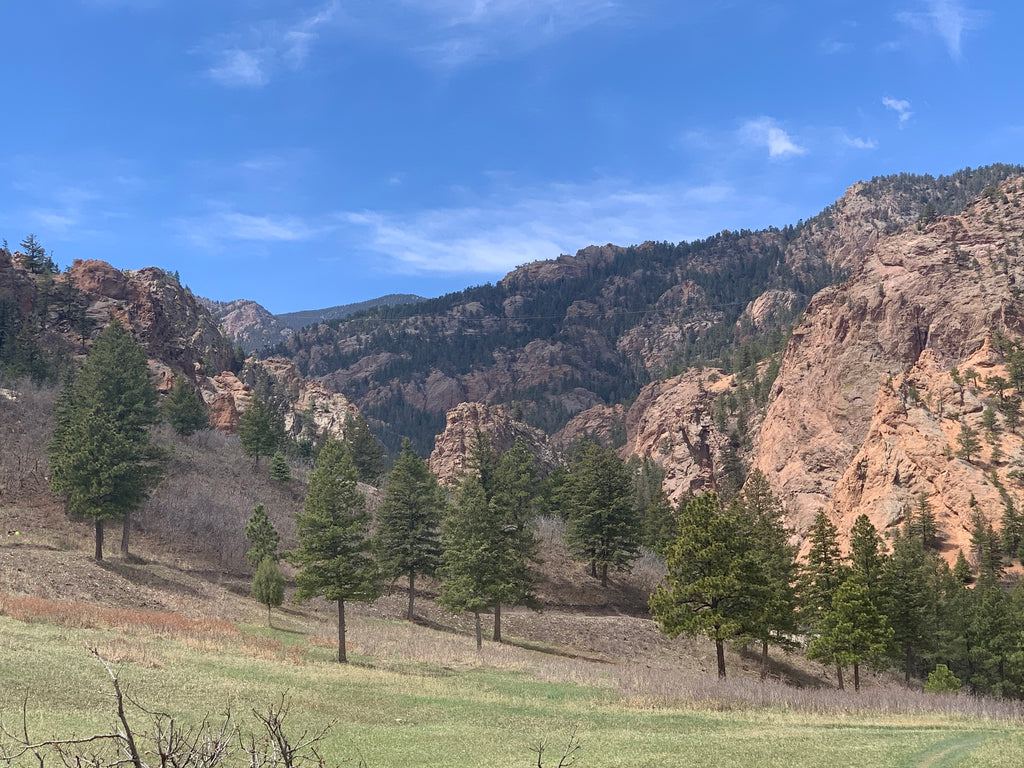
427,715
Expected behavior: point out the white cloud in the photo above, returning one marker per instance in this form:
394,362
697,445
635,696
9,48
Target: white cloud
239,68
765,132
213,231
250,59
858,143
523,225
900,106
949,19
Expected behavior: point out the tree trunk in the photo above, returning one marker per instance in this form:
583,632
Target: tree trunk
99,540
479,631
764,660
604,575
720,651
412,594
497,623
593,568
909,663
126,534
839,677
269,623
856,677
342,654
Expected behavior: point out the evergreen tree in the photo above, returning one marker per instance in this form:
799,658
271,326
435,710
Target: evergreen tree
513,496
714,584
823,572
409,522
968,441
262,535
852,631
1012,526
334,544
923,523
268,585
184,409
651,505
258,430
773,618
279,469
866,555
101,457
35,257
908,599
597,500
367,452
471,544
962,568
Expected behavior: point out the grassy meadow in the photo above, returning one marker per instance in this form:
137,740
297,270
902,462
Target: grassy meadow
419,697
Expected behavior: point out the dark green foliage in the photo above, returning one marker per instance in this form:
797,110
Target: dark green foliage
651,504
367,452
408,539
101,457
968,441
962,569
597,498
279,469
773,616
987,547
268,585
909,600
262,535
988,420
334,543
867,555
259,430
715,583
851,632
823,572
35,258
183,408
942,680
1012,526
921,522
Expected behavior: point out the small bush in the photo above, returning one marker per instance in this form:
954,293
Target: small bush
941,680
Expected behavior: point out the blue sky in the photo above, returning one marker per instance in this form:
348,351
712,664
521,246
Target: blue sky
305,154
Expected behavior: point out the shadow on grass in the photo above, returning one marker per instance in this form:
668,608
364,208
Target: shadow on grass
136,571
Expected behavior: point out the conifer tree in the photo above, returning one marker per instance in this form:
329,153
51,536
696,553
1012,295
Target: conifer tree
596,497
268,585
714,584
470,546
1012,526
258,430
409,522
183,408
367,452
968,441
961,568
909,601
823,572
263,536
651,504
279,469
101,457
851,632
866,556
923,522
773,618
334,544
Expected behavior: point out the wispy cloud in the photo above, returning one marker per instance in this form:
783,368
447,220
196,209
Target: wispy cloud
219,228
525,225
250,59
766,132
856,142
949,19
900,106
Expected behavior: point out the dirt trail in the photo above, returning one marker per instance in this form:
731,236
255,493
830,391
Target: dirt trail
950,752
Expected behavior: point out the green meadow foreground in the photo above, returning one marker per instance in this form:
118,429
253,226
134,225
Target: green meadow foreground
419,697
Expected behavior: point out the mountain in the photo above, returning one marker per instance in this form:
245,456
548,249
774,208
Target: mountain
253,327
556,338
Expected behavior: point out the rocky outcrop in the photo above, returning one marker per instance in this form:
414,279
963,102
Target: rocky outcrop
917,304
600,423
248,324
448,459
163,315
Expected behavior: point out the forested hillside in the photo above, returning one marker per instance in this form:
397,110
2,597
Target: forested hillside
557,337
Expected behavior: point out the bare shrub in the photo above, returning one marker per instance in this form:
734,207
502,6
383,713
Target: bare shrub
26,424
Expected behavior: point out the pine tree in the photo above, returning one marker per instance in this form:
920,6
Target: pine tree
263,536
35,258
968,441
714,584
334,544
866,555
823,572
1012,526
962,568
268,585
279,469
471,544
852,631
258,430
183,408
651,505
597,501
409,522
367,452
774,616
923,524
101,457
908,601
